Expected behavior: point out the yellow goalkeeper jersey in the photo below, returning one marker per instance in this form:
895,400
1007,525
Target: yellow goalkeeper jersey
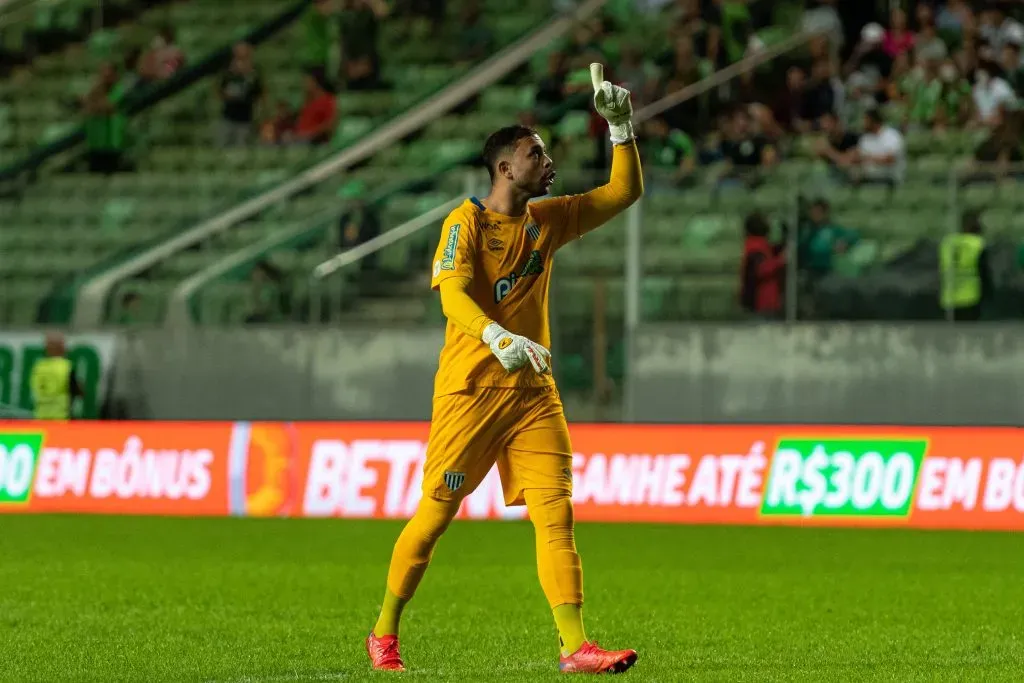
508,260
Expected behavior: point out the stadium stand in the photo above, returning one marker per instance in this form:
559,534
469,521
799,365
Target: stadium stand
446,142
775,142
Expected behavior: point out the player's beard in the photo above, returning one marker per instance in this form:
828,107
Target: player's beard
535,189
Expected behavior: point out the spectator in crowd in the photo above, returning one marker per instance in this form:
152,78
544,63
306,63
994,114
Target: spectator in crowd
871,61
360,56
164,57
762,270
821,16
130,313
475,40
281,128
1000,149
106,128
822,95
551,88
859,100
991,93
240,90
928,45
881,153
319,116
360,224
897,39
670,151
137,74
729,30
1013,71
433,11
996,29
745,151
321,39
838,146
268,296
964,270
820,240
788,108
940,98
954,17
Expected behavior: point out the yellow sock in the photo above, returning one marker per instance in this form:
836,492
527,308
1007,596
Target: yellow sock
569,620
410,558
390,613
558,563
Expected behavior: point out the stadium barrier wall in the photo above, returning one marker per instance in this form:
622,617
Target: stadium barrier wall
920,477
865,373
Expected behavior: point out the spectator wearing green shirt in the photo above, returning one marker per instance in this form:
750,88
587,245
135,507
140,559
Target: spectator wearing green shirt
942,100
320,27
105,126
820,239
671,152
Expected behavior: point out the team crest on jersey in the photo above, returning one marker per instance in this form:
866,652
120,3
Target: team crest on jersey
534,266
454,480
533,230
448,257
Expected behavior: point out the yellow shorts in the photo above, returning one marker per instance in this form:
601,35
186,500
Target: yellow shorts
523,430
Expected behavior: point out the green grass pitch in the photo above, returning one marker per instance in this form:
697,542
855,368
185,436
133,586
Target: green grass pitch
232,600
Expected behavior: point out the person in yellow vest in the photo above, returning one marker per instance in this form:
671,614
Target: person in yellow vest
53,382
966,280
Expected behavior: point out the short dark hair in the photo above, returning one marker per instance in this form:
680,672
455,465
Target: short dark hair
756,225
874,115
970,221
501,143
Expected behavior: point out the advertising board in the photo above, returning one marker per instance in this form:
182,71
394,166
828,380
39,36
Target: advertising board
927,477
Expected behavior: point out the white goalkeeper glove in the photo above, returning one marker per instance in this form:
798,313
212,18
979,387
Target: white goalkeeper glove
612,103
515,351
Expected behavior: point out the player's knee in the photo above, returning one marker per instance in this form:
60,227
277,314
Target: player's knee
552,515
434,516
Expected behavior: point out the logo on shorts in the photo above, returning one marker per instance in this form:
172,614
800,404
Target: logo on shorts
505,343
453,480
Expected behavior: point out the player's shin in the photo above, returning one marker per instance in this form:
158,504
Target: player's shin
558,563
410,558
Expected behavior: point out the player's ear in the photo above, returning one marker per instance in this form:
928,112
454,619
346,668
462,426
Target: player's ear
505,169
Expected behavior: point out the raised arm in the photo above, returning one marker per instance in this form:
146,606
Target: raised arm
625,186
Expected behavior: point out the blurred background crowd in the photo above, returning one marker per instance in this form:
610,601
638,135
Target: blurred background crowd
185,108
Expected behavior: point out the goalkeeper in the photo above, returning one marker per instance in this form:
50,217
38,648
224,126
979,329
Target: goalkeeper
494,396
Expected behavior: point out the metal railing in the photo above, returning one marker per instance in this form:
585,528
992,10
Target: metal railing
92,297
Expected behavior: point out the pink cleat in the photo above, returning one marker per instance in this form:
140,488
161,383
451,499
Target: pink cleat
383,653
590,659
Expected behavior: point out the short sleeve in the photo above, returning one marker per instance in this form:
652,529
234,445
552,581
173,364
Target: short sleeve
456,250
560,215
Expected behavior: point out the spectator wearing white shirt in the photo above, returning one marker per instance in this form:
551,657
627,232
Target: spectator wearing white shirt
997,29
991,93
881,153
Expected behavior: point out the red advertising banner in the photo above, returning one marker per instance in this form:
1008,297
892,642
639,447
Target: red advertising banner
804,475
927,477
156,468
